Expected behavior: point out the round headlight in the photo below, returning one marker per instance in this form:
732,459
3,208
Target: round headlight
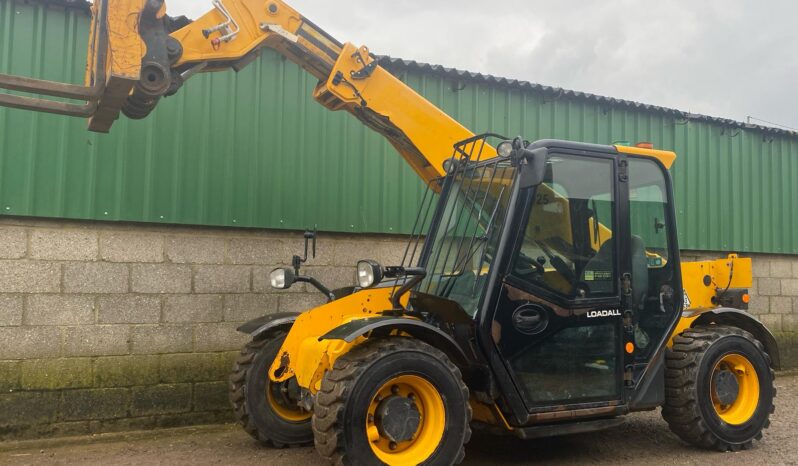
369,273
282,279
505,149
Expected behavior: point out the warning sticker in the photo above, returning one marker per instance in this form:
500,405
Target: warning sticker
598,275
602,274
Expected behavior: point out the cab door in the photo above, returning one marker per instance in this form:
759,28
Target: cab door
558,321
656,297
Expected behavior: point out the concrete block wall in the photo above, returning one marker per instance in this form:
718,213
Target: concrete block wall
109,327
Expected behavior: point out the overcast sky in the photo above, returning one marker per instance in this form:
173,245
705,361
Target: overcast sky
726,58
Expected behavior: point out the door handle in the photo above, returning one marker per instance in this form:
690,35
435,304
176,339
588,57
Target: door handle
527,320
530,319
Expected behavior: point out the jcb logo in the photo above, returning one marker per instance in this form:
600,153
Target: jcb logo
603,313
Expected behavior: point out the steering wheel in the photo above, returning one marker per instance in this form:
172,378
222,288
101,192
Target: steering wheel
526,266
556,261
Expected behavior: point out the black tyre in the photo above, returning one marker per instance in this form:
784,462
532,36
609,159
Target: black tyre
267,411
394,401
718,388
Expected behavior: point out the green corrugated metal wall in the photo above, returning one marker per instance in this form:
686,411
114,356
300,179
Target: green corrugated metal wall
253,149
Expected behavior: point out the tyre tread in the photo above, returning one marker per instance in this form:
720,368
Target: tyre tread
237,392
683,360
328,414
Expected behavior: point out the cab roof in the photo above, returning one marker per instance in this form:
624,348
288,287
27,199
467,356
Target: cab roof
665,156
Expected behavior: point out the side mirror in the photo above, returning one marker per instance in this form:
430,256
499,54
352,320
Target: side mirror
533,167
297,261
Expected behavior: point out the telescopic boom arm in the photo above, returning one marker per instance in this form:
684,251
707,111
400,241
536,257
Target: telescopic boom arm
138,55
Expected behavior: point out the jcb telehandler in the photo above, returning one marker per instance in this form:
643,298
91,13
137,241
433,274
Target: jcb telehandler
541,294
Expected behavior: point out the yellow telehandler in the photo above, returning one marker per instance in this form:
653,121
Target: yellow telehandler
541,292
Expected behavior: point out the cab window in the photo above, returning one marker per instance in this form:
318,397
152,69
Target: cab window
567,244
652,270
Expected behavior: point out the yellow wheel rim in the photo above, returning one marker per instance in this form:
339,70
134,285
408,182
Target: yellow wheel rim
282,407
430,430
744,406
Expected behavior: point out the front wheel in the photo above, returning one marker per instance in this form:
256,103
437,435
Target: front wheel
267,411
719,388
395,401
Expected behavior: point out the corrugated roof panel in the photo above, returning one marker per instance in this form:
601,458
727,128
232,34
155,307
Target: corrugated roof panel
395,64
253,149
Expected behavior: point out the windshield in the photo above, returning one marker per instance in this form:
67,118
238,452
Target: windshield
470,220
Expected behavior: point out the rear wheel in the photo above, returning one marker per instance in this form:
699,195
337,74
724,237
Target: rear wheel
719,388
394,401
267,411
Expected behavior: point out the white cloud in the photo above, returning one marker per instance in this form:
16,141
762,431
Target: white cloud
729,58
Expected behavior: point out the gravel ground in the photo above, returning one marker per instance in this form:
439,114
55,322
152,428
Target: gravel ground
643,439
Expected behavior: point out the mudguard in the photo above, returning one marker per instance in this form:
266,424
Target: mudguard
745,321
378,326
262,326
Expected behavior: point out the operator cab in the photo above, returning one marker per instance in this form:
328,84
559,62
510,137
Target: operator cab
564,257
